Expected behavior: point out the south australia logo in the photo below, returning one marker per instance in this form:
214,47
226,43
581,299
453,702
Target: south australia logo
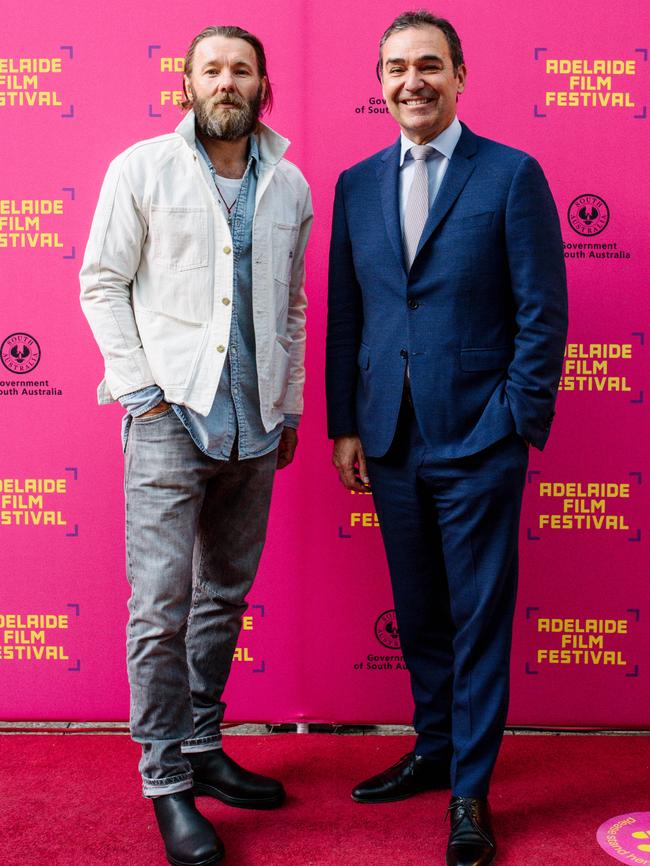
386,630
588,215
20,353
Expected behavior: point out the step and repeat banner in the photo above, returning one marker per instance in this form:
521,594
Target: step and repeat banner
569,85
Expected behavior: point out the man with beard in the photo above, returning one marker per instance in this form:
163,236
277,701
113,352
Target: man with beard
193,284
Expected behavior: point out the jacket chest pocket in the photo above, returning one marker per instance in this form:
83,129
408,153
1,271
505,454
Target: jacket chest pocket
283,244
179,237
470,223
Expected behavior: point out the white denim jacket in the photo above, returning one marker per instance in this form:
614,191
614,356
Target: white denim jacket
156,281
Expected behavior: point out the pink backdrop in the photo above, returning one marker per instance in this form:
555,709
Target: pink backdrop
319,643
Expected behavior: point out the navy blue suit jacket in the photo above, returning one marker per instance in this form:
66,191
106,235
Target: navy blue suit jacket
480,318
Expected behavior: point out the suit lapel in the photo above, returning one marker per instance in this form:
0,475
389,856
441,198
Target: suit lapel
388,175
458,172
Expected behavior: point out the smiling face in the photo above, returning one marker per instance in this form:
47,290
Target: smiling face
419,83
225,87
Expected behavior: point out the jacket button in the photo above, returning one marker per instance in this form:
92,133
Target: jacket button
225,301
403,353
412,304
227,250
221,348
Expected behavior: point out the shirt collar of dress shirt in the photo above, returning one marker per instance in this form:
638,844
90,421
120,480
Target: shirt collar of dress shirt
272,146
253,153
444,143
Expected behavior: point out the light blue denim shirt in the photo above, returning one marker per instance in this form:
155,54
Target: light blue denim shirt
235,412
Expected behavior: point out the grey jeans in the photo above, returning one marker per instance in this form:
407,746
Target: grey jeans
195,530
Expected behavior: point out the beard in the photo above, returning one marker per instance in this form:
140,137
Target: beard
229,124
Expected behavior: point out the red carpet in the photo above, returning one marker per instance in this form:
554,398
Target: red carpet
74,800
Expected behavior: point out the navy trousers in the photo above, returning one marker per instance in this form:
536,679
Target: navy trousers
450,529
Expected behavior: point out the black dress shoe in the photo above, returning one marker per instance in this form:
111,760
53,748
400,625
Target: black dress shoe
411,775
189,838
217,775
471,840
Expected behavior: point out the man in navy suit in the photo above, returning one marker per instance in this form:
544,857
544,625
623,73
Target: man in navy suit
446,331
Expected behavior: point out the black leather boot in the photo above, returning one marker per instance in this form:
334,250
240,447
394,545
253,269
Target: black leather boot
217,775
190,839
471,840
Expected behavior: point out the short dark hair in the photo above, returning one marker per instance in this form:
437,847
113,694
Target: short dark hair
230,32
424,18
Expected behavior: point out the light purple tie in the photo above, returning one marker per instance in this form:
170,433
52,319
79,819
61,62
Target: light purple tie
417,204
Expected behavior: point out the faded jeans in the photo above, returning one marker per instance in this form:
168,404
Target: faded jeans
195,530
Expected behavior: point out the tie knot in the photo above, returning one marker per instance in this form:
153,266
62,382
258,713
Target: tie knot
421,151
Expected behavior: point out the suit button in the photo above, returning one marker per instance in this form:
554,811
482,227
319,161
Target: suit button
227,250
412,304
403,353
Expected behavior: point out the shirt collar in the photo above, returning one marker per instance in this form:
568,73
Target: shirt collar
253,153
444,143
272,146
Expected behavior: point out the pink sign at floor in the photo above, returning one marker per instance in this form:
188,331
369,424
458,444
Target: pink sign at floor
626,838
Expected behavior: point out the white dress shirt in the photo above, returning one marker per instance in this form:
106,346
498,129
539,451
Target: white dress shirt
437,163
